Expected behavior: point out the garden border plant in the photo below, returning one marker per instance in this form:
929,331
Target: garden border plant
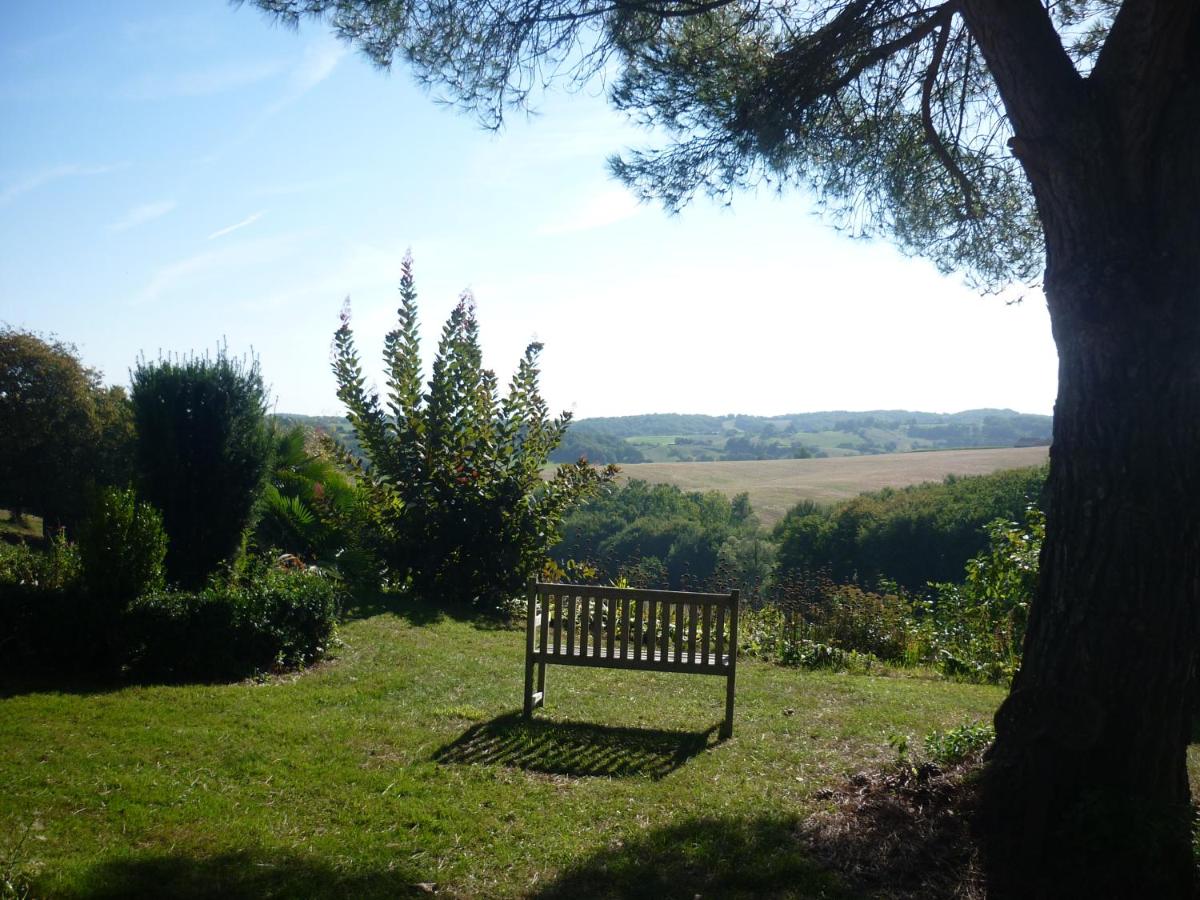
462,512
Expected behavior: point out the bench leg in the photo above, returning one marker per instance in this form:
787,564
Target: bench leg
528,688
541,684
529,626
727,725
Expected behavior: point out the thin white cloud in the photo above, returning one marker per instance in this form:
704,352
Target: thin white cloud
213,79
320,59
46,176
201,267
318,62
603,208
140,215
249,220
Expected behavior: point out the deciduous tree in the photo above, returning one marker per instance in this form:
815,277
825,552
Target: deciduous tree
62,432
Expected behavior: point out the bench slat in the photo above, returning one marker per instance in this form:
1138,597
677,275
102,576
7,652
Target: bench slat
637,627
607,591
624,627
720,630
558,623
707,627
599,626
651,629
714,665
543,625
692,631
570,624
613,620
585,622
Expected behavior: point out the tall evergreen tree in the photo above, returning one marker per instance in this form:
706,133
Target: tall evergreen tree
204,452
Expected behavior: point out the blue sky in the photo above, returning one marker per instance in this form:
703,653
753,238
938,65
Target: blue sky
174,174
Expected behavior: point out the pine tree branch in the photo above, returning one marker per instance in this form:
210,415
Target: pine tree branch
936,144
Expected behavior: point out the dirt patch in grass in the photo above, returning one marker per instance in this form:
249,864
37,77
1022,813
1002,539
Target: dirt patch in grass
902,833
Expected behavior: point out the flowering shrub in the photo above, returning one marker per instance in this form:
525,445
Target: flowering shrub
458,502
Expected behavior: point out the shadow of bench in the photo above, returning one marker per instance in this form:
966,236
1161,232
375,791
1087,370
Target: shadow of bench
574,748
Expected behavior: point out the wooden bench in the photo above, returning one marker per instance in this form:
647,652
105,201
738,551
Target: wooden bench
630,628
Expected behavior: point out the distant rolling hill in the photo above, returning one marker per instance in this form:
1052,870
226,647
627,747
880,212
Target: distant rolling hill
676,437
849,452
778,484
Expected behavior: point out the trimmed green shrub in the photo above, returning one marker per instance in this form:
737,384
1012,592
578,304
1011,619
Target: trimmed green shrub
122,546
276,619
203,453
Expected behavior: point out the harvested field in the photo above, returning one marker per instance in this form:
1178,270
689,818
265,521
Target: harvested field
775,485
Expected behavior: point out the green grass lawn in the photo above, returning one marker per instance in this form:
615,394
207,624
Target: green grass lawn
402,763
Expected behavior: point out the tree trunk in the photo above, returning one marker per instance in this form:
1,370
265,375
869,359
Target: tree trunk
1086,791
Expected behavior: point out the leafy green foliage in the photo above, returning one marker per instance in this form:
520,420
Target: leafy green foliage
63,431
203,454
813,621
275,619
44,618
957,745
596,447
67,612
55,566
869,622
769,634
660,536
312,507
123,547
976,629
914,536
454,481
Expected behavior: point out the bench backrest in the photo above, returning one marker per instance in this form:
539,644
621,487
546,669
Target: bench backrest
632,627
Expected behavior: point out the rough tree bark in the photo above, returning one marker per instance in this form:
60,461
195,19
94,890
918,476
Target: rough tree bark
1086,792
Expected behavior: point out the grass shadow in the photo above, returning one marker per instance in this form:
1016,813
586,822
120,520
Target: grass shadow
420,612
707,857
36,681
573,748
233,876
